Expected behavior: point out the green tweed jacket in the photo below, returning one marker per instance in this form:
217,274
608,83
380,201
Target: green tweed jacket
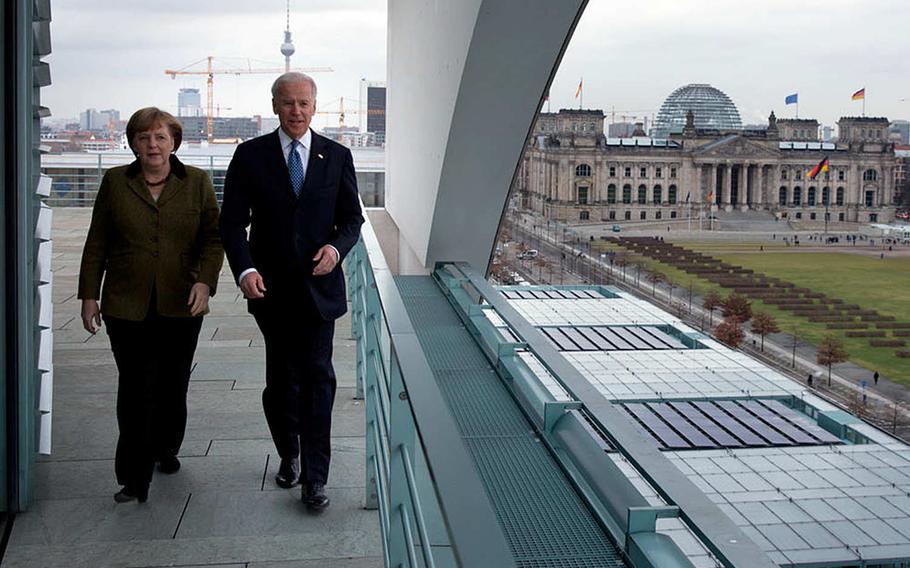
139,245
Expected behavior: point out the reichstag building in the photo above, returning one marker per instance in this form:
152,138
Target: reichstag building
701,161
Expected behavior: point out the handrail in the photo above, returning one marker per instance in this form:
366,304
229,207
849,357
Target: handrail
725,540
407,416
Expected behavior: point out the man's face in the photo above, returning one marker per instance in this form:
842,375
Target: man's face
295,105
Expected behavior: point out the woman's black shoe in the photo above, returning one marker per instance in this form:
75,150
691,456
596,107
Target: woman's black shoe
126,495
169,465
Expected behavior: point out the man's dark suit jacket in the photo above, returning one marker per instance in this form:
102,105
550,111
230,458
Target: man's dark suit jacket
287,231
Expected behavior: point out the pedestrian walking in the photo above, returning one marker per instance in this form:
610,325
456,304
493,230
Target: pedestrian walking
875,378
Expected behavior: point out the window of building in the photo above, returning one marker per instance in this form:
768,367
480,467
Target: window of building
612,171
658,214
873,217
826,196
782,196
812,216
841,175
583,195
612,215
627,193
870,175
797,196
584,215
799,215
611,193
658,172
673,214
798,173
642,172
628,216
673,173
783,175
870,198
840,216
583,170
840,196
643,215
657,195
642,195
810,197
627,172
671,195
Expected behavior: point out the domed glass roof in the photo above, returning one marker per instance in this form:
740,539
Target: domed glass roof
712,109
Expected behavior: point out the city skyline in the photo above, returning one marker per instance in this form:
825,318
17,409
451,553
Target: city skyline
631,57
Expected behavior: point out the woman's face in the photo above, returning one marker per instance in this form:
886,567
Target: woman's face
153,147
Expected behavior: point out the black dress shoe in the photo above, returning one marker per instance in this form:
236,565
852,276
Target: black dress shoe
128,494
288,473
169,464
314,497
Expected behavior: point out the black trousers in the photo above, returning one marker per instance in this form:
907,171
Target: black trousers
299,380
154,358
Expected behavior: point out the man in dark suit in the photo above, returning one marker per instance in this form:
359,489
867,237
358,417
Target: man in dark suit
297,192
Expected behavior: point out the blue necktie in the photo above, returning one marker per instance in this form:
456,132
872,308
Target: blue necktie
295,168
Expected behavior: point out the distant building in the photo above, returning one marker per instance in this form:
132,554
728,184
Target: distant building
711,107
572,172
620,130
267,124
96,121
828,134
900,129
195,128
189,103
376,105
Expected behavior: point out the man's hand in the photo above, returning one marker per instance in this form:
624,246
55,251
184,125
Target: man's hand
252,286
199,298
91,316
326,260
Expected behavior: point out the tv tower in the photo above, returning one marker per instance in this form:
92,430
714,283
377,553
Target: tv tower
287,48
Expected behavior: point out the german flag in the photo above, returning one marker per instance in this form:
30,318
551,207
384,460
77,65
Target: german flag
578,90
859,95
819,168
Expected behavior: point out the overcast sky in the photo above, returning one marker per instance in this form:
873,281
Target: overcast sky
631,54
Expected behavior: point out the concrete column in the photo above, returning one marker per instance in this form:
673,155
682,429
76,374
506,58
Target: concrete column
712,188
745,174
728,185
759,196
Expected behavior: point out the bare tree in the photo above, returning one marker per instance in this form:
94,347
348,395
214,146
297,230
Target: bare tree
763,324
737,306
730,332
831,350
655,278
711,302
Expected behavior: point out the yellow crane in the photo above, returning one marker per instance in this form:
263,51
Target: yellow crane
340,112
211,71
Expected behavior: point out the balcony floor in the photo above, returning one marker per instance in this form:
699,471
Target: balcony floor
223,508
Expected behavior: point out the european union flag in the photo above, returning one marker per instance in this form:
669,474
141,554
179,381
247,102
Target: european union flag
792,99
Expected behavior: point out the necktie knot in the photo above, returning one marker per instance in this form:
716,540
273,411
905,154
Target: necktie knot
295,167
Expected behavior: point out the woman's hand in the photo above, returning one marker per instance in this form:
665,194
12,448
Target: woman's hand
91,316
199,298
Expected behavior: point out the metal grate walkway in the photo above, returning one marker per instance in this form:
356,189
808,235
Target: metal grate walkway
545,521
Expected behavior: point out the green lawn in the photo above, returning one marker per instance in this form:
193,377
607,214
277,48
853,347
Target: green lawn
870,282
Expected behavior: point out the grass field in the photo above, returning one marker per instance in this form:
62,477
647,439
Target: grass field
870,282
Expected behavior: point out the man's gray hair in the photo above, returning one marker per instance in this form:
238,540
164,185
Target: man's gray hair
290,78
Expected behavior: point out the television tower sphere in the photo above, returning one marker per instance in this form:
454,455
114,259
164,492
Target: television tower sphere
287,48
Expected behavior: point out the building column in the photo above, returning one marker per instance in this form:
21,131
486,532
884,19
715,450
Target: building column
712,188
743,175
758,197
728,185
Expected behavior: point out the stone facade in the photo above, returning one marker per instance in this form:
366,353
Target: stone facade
572,172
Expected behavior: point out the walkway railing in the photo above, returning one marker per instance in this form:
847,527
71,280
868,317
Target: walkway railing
434,510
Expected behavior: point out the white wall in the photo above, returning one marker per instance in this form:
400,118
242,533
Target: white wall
465,80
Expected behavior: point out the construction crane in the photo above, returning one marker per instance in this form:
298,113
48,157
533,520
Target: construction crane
340,112
210,72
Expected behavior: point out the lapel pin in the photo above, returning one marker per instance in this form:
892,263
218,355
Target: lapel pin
320,156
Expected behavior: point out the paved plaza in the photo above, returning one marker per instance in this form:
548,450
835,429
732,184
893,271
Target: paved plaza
223,507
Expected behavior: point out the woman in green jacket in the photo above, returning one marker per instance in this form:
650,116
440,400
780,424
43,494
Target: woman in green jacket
154,242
